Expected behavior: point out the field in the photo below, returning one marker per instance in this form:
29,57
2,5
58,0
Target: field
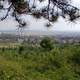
27,62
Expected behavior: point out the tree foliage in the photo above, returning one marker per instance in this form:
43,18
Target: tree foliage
51,10
47,43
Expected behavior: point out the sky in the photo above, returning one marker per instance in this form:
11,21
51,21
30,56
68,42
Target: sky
39,24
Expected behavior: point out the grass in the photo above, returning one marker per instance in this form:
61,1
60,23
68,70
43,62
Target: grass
36,63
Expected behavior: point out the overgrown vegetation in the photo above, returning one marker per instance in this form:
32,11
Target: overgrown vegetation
27,62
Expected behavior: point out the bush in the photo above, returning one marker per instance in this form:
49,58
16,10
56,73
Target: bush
47,43
3,49
76,58
21,48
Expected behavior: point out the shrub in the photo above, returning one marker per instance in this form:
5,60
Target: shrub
3,49
76,58
21,48
47,43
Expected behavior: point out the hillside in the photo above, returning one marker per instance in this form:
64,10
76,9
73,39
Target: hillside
35,63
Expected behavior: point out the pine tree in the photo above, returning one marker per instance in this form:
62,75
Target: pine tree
51,11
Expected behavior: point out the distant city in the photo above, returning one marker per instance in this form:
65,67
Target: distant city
59,36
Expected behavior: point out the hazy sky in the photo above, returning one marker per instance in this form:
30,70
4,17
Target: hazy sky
34,24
